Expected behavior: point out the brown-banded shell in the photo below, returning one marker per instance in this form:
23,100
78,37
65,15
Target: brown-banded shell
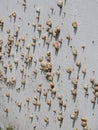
96,83
84,119
28,46
56,45
84,124
57,29
75,25
14,14
74,91
60,3
84,70
59,96
69,70
78,63
68,37
39,89
52,85
43,37
74,82
49,101
60,117
49,23
75,52
85,87
92,80
46,119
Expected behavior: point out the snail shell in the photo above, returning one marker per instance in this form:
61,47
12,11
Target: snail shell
60,3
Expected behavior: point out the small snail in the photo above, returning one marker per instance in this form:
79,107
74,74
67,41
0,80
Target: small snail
46,119
74,25
60,3
49,23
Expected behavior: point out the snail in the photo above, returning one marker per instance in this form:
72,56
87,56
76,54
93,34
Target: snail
74,115
57,30
86,89
49,23
58,74
8,95
14,15
83,47
68,37
6,111
52,84
60,3
93,100
75,25
28,46
46,119
92,80
69,71
60,103
60,118
50,31
86,128
24,3
59,96
78,63
49,102
39,89
74,91
5,78
56,45
49,77
23,39
84,72
48,56
84,124
16,62
31,117
23,82
64,105
53,91
96,94
38,11
17,46
96,83
34,38
45,93
19,104
75,53
44,37
75,82
39,28
28,100
84,121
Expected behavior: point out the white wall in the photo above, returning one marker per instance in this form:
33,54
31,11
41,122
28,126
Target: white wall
85,12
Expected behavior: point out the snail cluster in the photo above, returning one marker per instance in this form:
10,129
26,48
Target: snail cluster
36,75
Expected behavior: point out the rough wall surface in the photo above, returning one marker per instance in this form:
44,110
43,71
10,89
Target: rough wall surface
16,87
